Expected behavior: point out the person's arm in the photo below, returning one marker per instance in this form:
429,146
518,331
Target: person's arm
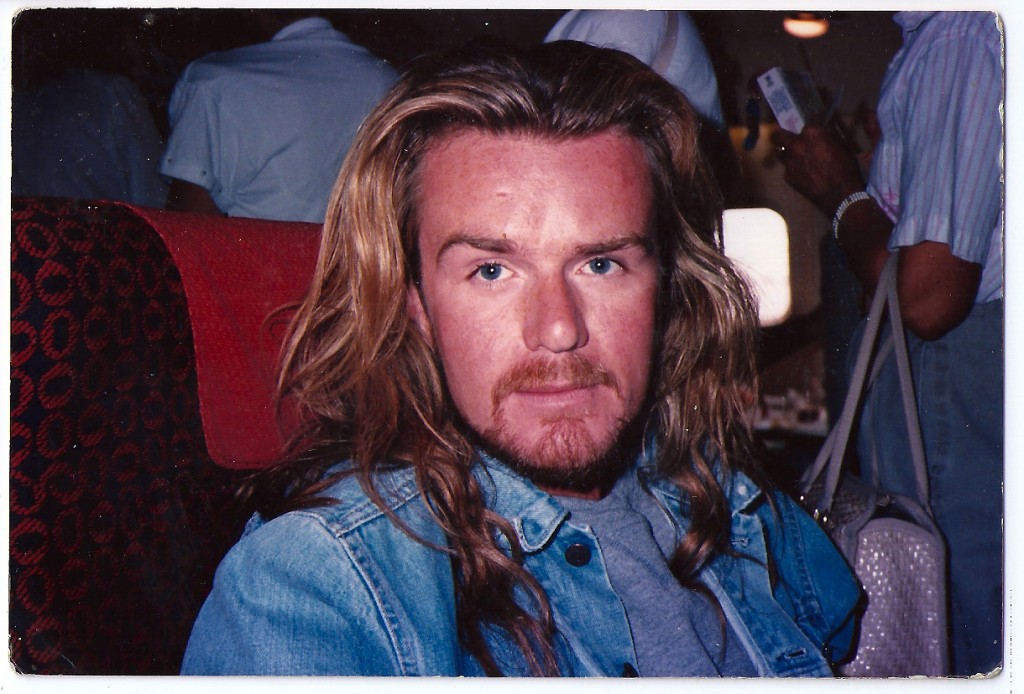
936,288
189,197
189,160
944,110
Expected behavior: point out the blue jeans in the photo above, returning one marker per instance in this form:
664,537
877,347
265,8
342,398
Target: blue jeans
958,380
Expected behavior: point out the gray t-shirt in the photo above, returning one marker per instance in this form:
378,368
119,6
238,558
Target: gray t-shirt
676,631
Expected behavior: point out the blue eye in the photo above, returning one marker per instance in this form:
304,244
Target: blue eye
601,266
490,271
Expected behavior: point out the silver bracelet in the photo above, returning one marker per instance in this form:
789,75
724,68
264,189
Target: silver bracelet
844,205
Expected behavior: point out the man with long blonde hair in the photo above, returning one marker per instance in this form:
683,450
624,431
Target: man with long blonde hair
524,364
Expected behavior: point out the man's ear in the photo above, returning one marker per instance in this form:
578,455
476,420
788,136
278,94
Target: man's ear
414,308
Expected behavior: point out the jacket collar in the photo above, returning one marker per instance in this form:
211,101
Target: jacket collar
534,514
740,492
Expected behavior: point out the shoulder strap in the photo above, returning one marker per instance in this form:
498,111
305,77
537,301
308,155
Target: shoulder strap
833,452
908,395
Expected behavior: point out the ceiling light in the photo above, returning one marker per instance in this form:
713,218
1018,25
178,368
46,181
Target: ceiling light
805,25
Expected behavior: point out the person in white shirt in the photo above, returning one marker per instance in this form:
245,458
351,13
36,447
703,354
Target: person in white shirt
261,131
668,42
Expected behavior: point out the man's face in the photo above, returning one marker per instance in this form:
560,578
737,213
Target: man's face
538,287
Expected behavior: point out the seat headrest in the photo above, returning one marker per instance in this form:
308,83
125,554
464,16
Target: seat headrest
236,274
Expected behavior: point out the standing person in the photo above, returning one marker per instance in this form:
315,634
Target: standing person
668,42
261,131
525,362
935,191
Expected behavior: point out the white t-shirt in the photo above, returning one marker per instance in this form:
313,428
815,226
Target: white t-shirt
265,128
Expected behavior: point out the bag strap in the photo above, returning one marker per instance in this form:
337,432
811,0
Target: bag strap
908,395
829,460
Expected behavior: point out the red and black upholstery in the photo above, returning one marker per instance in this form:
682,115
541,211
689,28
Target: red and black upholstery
119,513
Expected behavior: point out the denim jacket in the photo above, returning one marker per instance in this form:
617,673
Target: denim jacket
342,590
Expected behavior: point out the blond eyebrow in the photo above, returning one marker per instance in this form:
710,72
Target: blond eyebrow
505,246
481,243
618,243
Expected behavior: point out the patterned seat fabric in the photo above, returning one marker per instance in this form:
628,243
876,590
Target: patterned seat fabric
118,516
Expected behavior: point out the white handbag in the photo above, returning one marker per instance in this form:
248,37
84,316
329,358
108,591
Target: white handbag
890,540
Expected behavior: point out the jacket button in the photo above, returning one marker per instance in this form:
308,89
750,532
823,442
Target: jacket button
577,554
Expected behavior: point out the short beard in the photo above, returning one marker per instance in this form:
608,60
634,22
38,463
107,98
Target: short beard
568,458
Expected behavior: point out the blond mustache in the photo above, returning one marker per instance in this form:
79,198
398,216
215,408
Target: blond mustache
574,371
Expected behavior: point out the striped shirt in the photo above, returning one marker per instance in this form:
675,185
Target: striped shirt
937,171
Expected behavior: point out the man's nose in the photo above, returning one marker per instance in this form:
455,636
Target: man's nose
553,319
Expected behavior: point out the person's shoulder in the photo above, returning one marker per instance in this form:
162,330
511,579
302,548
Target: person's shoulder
346,534
345,571
351,505
199,76
225,66
347,507
972,30
979,19
345,54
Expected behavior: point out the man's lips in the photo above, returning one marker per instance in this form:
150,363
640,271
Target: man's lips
555,388
562,397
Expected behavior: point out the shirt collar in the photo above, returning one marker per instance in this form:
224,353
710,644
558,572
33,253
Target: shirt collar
911,21
305,27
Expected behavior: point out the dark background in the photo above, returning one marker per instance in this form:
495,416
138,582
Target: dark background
152,46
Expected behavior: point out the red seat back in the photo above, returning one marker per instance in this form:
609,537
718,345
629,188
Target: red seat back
120,505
